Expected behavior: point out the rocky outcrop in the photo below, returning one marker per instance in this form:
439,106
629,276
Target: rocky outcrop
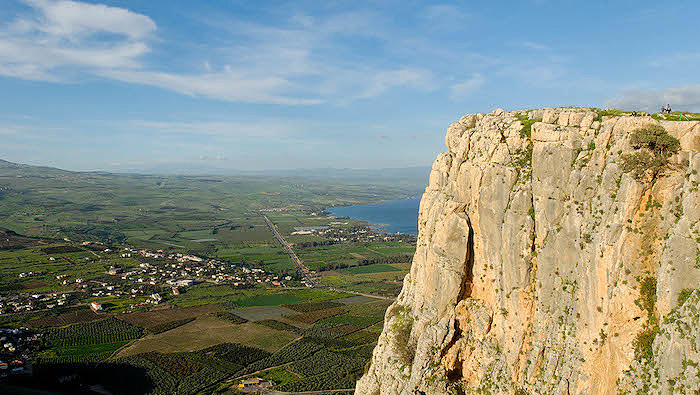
542,267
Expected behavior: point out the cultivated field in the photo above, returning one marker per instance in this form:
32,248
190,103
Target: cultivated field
207,331
301,339
154,318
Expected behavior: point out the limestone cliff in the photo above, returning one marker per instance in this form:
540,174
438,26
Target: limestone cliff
543,267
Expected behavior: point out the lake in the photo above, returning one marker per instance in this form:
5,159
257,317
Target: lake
393,216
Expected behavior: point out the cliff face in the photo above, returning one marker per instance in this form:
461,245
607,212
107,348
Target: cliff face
542,267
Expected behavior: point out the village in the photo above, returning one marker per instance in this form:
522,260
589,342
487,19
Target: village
17,345
338,231
158,276
161,275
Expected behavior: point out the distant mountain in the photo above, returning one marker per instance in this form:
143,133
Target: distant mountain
409,176
406,176
11,166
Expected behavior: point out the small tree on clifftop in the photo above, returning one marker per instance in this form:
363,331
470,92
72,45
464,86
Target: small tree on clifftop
654,147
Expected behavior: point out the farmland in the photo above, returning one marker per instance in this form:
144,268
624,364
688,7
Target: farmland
289,327
183,359
210,347
126,243
206,331
157,211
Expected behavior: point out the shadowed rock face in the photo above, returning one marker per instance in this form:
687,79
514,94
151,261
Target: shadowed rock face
531,250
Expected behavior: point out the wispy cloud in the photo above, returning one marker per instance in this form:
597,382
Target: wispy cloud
467,87
686,98
674,60
535,45
314,56
379,82
227,85
258,129
449,16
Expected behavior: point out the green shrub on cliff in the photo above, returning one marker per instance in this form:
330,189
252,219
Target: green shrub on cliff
644,343
526,130
654,147
402,325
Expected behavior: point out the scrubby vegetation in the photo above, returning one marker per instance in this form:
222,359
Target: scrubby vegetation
647,295
523,163
608,113
678,116
526,131
401,320
644,341
683,296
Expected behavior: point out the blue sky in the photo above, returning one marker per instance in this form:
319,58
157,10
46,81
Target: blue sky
142,84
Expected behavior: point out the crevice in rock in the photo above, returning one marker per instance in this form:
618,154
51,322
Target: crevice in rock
533,238
465,292
519,367
538,371
466,289
454,374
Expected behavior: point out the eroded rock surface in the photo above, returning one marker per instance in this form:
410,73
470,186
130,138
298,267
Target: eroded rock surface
532,251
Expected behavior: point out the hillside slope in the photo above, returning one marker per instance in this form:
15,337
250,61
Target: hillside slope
543,267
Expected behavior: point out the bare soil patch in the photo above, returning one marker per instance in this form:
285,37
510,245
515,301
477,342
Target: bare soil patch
207,331
33,284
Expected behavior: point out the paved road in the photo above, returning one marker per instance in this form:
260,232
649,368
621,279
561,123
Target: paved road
306,272
302,268
361,293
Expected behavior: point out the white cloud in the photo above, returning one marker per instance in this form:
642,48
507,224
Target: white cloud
467,87
71,19
301,62
686,98
227,85
68,34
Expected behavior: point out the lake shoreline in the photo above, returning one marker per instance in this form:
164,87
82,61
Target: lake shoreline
393,216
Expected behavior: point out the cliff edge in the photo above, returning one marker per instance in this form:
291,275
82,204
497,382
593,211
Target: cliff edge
544,264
